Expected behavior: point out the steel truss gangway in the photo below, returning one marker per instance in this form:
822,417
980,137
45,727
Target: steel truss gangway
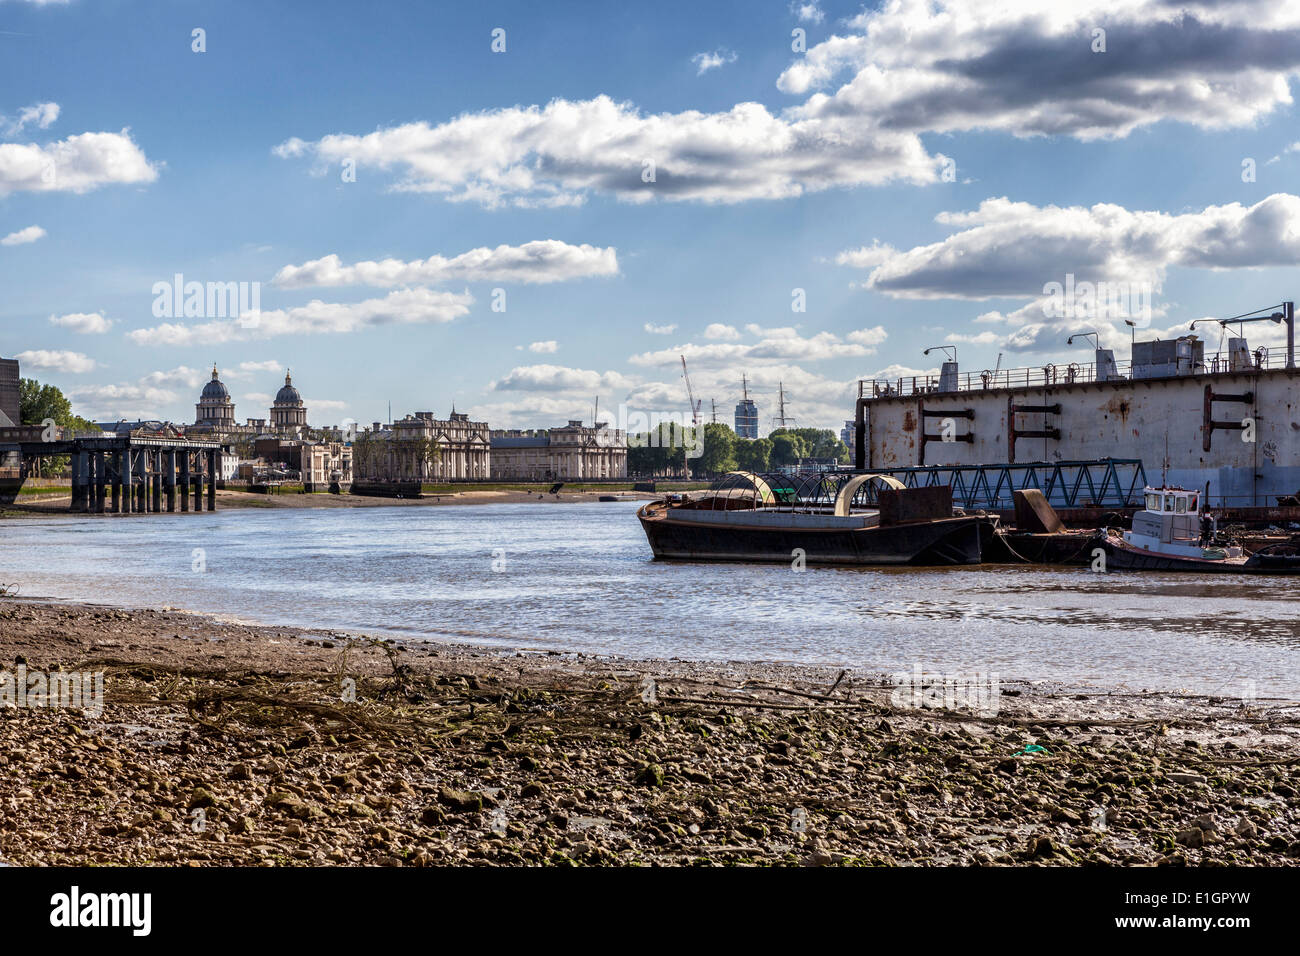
1099,483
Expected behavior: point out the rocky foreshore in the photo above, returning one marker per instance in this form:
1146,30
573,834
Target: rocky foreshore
222,743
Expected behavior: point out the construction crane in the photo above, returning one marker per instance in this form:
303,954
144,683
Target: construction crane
690,397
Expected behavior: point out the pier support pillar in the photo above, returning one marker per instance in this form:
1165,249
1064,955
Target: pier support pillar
169,480
142,483
157,484
100,478
77,479
128,483
117,482
212,480
185,481
198,485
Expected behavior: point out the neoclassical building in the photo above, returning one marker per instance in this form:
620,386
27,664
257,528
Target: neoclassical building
569,453
421,447
215,411
288,413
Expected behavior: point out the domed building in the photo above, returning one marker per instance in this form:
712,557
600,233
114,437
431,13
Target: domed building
215,411
288,413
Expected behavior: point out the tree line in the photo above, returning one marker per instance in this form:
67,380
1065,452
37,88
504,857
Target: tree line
664,450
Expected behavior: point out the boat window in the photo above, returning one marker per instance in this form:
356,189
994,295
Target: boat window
1169,502
1153,502
1182,505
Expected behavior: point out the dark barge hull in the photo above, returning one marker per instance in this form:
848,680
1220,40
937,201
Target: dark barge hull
945,541
1123,558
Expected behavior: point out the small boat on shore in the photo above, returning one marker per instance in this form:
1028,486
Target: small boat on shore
1173,533
819,519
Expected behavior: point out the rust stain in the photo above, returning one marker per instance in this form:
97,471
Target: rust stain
1119,406
909,421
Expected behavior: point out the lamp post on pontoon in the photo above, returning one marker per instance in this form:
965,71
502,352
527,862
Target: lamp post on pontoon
1285,313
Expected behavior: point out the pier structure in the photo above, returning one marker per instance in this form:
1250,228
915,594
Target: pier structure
1226,424
127,474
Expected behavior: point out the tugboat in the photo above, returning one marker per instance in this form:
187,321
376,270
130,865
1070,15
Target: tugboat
821,519
1172,533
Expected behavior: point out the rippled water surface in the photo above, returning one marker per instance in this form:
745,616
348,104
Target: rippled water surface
580,577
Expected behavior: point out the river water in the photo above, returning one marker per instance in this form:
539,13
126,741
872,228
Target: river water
579,577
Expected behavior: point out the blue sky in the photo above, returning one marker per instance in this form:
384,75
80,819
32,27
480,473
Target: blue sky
920,171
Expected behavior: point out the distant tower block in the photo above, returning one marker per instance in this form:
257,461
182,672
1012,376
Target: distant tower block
746,413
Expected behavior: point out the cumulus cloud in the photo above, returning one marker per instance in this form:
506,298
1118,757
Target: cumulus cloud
540,261
1069,265
907,68
114,402
270,365
23,236
77,164
86,323
1040,69
558,378
56,360
548,346
660,329
1013,249
182,376
404,306
712,61
537,410
774,346
718,330
556,154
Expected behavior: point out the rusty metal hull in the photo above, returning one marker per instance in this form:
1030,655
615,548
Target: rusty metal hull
944,541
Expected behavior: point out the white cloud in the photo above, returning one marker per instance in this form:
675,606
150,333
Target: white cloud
660,329
1030,69
557,378
86,323
324,404
866,257
872,336
404,306
1013,249
56,360
538,411
775,345
540,261
77,164
270,365
40,115
1115,259
808,12
908,68
558,153
718,330
23,236
544,347
712,61
119,401
182,376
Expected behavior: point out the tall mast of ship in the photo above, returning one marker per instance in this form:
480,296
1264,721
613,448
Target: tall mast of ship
780,419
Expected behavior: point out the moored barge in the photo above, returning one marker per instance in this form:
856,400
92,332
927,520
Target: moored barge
832,518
